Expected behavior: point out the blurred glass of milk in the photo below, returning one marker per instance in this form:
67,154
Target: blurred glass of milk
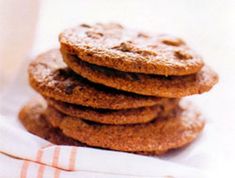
18,20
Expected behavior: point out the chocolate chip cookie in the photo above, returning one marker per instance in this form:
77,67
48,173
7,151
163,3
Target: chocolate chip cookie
128,50
33,119
107,116
49,76
145,84
175,130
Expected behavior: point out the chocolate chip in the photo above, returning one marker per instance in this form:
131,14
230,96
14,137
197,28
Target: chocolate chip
61,74
69,88
95,35
85,25
172,41
134,77
146,52
182,55
129,46
89,54
126,46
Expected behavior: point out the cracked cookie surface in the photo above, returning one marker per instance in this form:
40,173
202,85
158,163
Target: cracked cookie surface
118,47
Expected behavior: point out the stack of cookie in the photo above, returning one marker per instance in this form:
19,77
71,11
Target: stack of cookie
116,88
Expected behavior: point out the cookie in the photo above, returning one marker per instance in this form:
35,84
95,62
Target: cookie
155,85
164,133
128,50
33,119
105,116
49,76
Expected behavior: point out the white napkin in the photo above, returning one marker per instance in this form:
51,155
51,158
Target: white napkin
36,152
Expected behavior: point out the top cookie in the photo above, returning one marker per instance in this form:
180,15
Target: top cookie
128,50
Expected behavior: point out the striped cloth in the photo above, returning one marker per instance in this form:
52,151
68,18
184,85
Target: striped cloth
24,155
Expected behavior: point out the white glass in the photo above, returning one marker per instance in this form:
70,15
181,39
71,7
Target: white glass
18,20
